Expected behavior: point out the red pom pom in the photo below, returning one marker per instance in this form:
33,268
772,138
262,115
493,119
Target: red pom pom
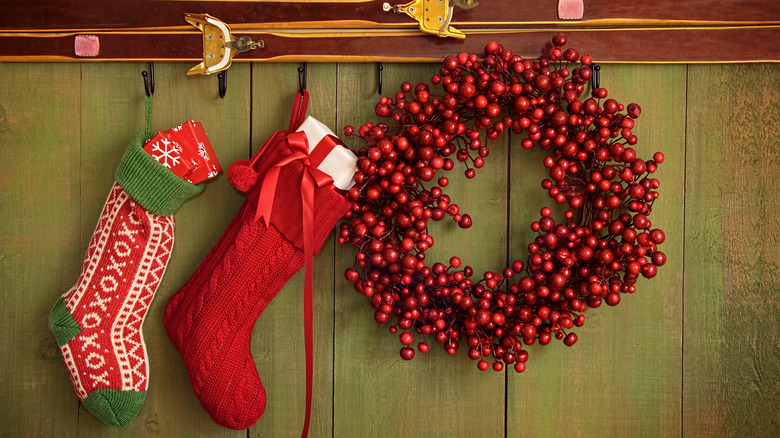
242,175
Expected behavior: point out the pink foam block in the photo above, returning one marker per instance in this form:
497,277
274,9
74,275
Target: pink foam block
570,9
86,45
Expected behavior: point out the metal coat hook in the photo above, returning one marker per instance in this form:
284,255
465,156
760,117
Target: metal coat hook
149,79
222,77
595,79
379,69
302,78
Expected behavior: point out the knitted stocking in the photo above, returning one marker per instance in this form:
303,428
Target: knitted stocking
210,320
98,322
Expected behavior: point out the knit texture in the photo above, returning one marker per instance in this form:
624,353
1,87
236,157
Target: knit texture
210,320
97,323
151,184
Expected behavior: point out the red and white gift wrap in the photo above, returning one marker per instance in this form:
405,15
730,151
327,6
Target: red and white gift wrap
340,162
325,158
186,151
193,137
170,154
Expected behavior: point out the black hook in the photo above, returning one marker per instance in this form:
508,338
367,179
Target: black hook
149,80
302,78
222,77
595,79
379,69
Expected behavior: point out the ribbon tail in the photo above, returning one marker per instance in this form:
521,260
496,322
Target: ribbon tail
265,202
307,198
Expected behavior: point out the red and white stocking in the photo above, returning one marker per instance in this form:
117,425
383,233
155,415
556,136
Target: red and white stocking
98,322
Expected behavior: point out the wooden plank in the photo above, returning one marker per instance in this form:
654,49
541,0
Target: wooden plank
376,392
731,362
642,31
110,117
278,341
622,378
624,44
112,113
42,14
40,255
199,224
630,374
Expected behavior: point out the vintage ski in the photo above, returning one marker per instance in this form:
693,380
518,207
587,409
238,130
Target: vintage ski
386,30
60,15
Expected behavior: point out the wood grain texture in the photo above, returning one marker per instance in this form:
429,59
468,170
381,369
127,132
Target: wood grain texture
622,377
376,392
731,253
40,255
638,31
278,339
48,15
692,353
618,44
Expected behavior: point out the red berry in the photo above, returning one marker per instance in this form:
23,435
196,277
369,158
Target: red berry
407,353
381,317
465,221
634,110
559,39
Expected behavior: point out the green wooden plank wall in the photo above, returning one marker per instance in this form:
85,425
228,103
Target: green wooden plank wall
693,353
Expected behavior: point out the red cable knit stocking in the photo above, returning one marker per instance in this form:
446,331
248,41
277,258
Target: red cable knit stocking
210,320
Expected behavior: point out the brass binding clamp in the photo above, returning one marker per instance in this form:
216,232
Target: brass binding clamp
433,16
219,45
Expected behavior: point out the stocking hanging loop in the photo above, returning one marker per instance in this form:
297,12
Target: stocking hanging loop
299,110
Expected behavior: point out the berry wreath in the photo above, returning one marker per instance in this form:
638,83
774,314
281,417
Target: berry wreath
570,266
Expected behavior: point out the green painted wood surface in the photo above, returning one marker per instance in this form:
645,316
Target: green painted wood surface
622,377
732,255
278,343
39,243
376,392
693,353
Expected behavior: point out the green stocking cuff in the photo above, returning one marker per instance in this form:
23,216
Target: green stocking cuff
151,184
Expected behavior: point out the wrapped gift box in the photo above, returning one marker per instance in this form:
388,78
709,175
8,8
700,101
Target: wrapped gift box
192,137
170,154
186,151
340,163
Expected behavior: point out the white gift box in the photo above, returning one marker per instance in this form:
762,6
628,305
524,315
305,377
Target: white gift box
340,163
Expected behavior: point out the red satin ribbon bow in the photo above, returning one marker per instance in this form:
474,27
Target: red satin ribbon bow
311,177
